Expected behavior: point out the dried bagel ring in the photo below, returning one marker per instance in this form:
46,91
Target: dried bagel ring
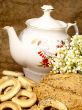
51,103
24,103
9,105
12,73
11,82
26,81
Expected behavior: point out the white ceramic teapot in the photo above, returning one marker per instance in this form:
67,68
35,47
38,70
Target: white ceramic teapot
41,34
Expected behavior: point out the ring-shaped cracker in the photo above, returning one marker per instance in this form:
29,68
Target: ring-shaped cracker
25,102
9,104
11,82
51,103
26,81
12,73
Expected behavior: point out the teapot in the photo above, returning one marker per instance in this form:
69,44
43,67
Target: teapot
41,34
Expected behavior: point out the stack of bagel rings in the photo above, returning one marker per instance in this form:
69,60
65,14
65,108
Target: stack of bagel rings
16,91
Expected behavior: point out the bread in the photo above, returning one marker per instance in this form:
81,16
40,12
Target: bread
66,88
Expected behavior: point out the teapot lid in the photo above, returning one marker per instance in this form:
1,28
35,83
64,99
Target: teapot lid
46,21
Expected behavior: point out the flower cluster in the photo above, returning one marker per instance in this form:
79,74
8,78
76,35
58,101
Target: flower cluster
69,57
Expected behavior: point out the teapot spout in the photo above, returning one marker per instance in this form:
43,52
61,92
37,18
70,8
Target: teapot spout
16,46
10,30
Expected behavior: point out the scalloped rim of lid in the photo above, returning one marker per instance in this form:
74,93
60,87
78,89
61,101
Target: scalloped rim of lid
30,23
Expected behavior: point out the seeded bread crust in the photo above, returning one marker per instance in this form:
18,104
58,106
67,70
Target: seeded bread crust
66,88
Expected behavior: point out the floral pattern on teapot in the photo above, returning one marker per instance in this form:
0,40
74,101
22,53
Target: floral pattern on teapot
45,54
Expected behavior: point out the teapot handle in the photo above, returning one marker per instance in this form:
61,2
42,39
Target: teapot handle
75,27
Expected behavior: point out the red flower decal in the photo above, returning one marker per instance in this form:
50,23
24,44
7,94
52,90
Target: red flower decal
44,62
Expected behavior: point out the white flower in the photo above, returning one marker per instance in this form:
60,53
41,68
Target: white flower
69,57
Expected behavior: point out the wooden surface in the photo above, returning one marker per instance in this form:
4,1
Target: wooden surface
16,12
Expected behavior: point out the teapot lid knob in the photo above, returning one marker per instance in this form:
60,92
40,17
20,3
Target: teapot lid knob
47,8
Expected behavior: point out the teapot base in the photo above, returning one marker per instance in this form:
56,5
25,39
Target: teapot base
35,76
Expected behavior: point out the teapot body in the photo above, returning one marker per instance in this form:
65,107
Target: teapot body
36,41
